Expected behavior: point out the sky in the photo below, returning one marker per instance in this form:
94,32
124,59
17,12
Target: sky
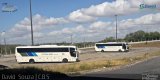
89,20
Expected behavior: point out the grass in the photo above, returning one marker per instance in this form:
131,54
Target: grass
75,67
82,66
153,54
148,44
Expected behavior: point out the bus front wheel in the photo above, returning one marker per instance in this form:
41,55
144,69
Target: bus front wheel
65,60
31,61
120,50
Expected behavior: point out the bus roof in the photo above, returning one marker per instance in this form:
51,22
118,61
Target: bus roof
45,46
113,43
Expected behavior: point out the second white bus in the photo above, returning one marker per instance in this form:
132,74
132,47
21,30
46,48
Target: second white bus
112,46
47,53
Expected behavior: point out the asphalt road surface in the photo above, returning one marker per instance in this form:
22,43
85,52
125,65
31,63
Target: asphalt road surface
147,70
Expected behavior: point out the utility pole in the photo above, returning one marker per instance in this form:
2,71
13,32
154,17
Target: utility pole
5,45
71,40
7,8
116,27
147,38
84,42
0,43
32,40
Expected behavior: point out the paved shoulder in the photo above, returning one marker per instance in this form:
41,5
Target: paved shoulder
151,67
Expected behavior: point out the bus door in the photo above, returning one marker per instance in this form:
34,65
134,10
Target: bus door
124,47
73,52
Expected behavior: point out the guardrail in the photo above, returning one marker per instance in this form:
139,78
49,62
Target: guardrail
143,42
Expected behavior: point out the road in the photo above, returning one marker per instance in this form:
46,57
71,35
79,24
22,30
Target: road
149,67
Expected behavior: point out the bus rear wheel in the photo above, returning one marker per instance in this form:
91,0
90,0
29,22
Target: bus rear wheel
31,61
65,60
102,50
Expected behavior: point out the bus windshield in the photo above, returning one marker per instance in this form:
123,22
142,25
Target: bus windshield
73,52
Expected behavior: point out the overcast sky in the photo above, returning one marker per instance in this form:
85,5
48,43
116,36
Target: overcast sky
94,20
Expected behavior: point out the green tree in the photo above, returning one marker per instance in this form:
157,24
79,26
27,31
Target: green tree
109,39
141,36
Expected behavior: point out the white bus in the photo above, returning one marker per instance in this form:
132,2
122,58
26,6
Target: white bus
112,46
46,53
